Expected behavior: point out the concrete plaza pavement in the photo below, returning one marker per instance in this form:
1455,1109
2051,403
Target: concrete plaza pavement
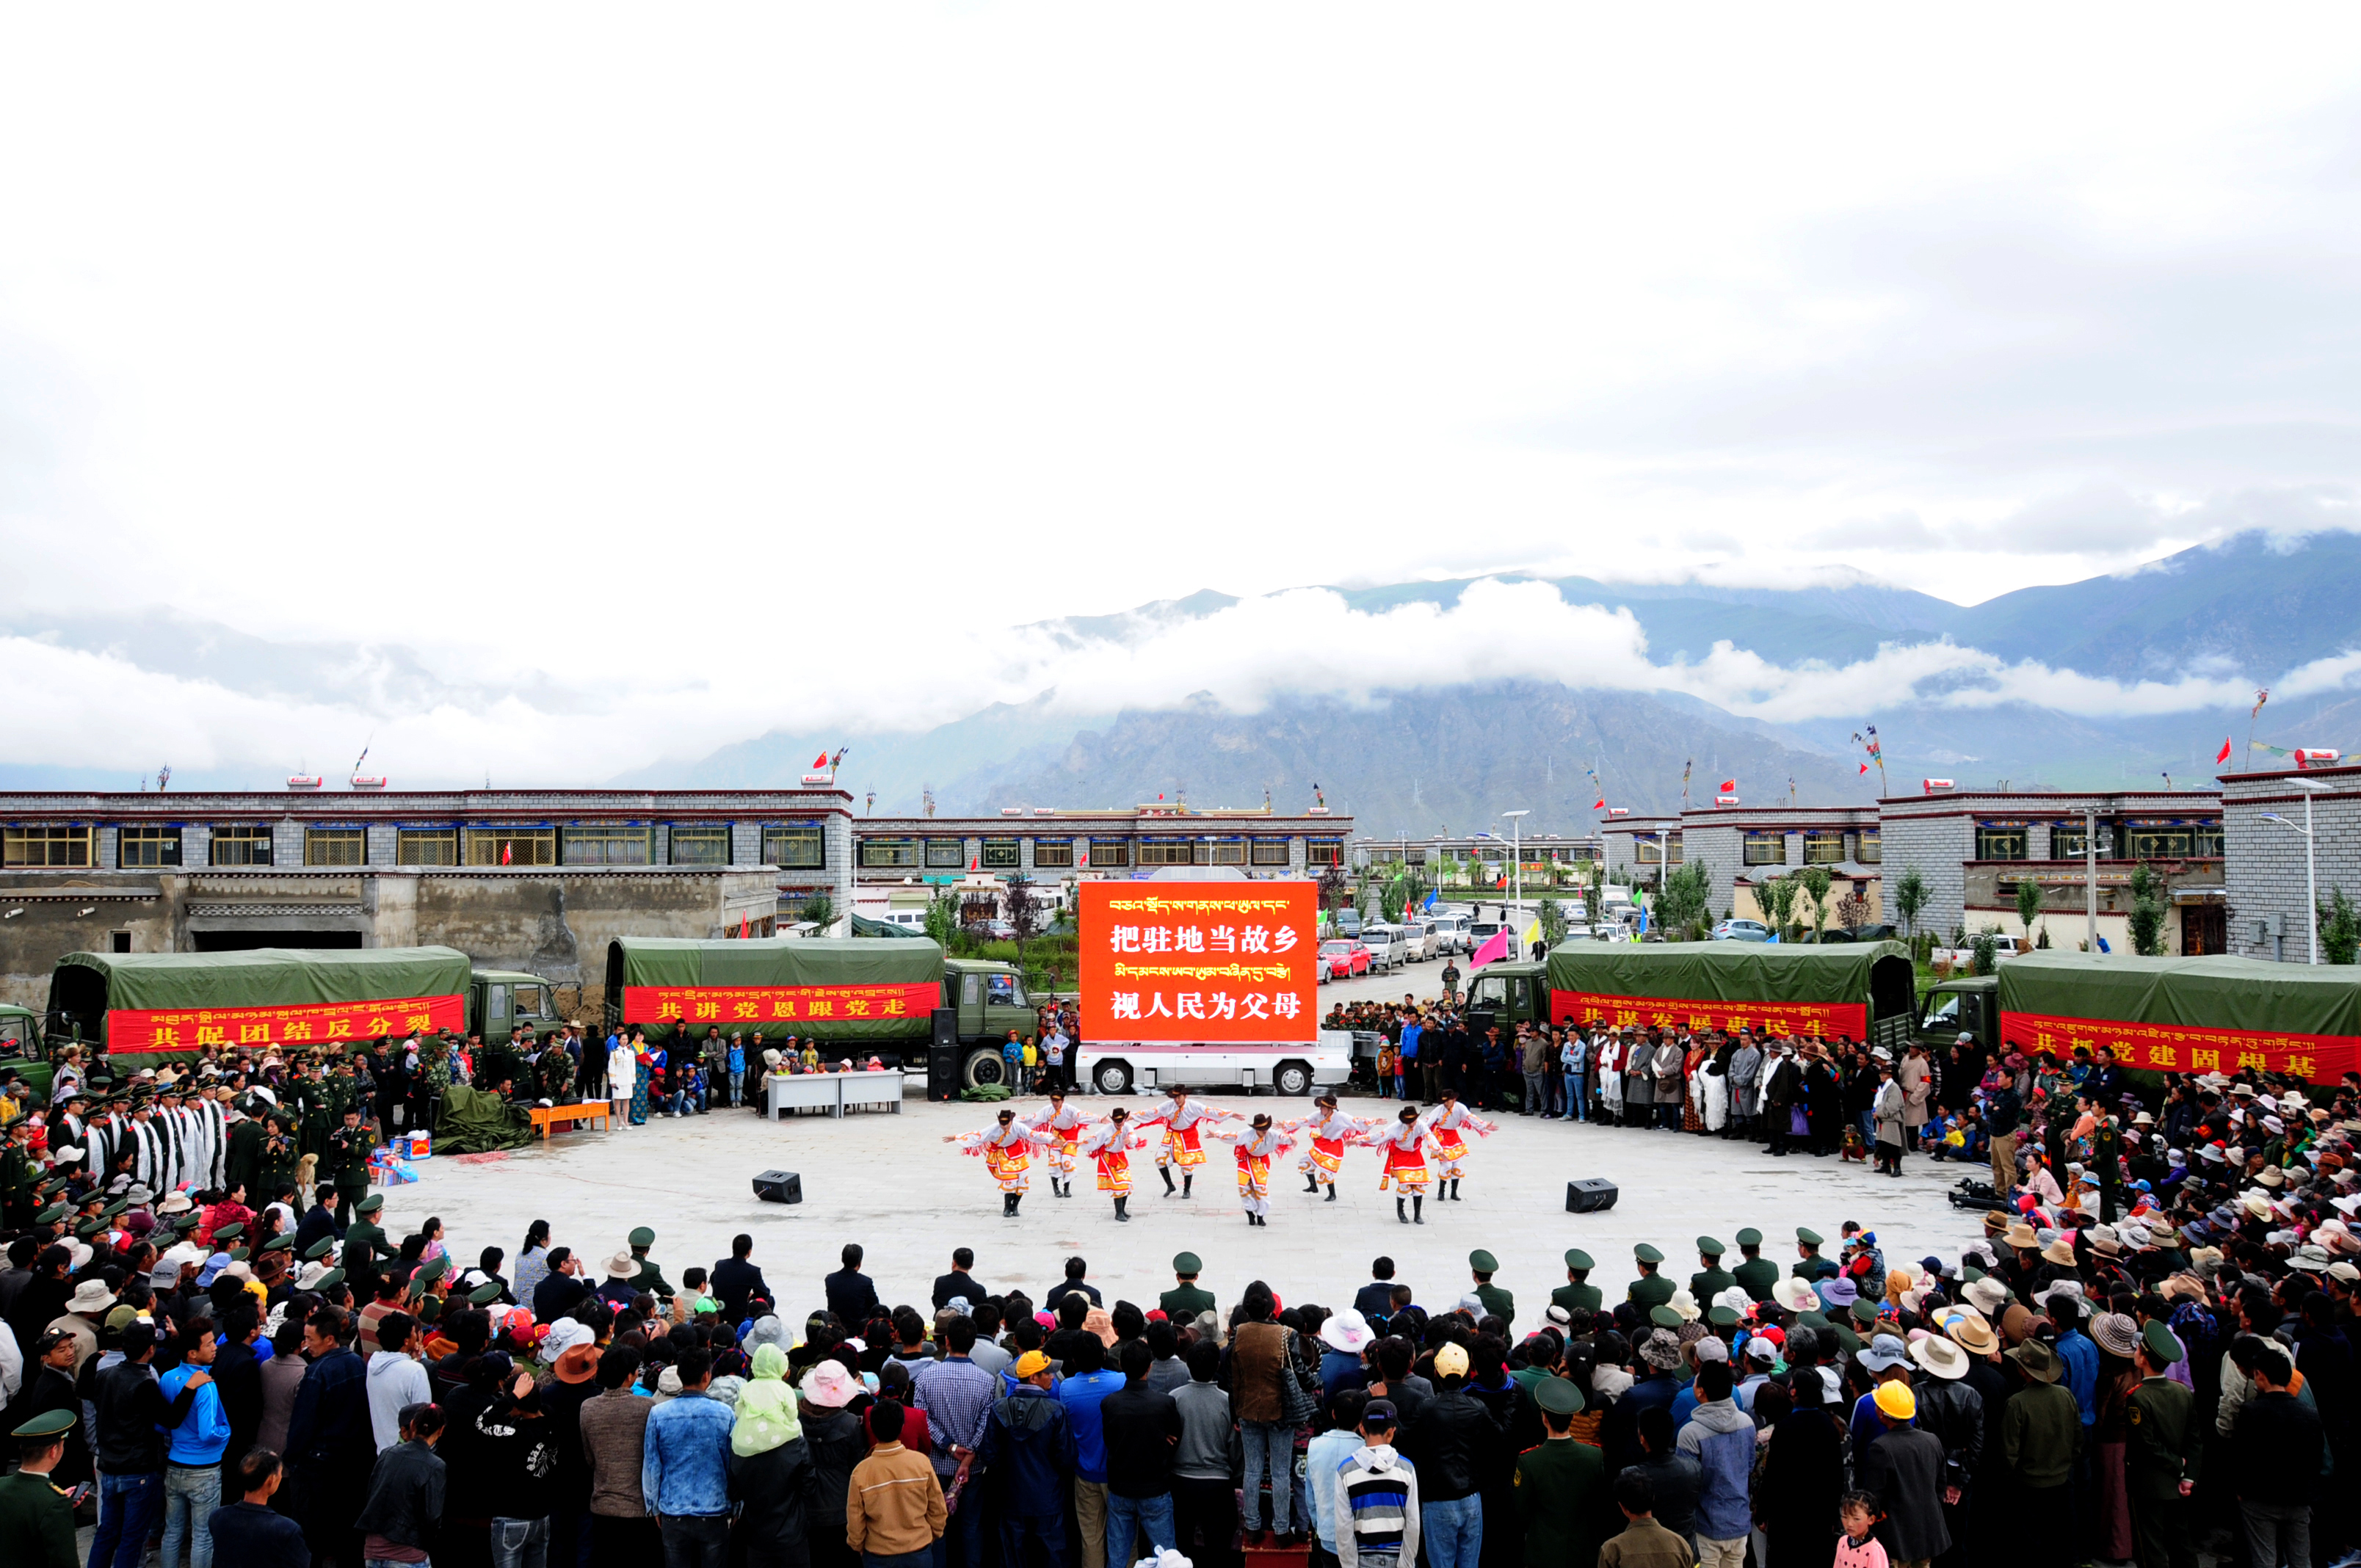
889,1182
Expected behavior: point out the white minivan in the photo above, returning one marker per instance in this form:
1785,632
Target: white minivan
1388,947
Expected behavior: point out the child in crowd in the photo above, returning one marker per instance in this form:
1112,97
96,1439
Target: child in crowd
1859,1514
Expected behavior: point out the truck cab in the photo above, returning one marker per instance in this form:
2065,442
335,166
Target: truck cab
990,998
1505,994
498,1000
21,1048
1967,1005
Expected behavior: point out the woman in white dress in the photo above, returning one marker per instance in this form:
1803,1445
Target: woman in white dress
620,1066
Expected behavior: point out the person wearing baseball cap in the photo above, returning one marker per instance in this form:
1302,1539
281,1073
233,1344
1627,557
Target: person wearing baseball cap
1377,1501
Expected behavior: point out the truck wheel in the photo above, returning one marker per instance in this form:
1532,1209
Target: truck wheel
1292,1077
985,1069
1112,1077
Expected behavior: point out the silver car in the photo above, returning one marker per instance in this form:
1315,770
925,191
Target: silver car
1388,947
1425,941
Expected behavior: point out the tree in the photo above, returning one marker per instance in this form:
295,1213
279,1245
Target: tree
2148,912
1910,897
1852,909
943,917
2340,929
1777,897
1394,901
820,910
1817,881
1334,888
1551,915
1024,913
2028,907
1983,953
1681,901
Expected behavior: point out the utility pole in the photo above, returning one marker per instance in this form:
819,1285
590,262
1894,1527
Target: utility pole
2091,879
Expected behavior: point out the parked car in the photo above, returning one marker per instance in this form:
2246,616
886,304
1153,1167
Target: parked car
1342,958
1349,922
1388,947
1425,943
1482,931
2008,947
1450,932
1740,931
990,930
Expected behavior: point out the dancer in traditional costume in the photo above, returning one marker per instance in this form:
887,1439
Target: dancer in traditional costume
1258,1146
1008,1151
1330,1130
1447,1121
1180,1121
1108,1145
1404,1145
1065,1127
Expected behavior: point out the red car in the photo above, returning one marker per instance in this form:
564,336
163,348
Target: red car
1342,959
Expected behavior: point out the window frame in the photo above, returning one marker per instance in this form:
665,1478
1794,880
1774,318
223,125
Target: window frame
608,836
1869,847
1053,854
314,837
406,841
1002,855
167,839
1274,853
1324,852
255,837
1817,841
776,835
538,838
1109,854
1754,840
697,833
1990,839
944,854
1167,852
892,854
52,836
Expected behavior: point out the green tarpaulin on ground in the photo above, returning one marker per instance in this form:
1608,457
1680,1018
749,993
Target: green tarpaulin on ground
1734,971
2252,994
781,961
473,1121
274,976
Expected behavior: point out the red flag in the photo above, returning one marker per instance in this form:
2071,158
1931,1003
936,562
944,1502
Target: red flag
973,864
1864,767
819,761
1599,805
1728,786
505,851
2223,755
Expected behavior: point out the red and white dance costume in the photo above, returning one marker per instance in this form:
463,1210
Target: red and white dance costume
1065,1127
1256,1150
1183,1146
1446,1122
1007,1154
1404,1145
1330,1130
1109,1145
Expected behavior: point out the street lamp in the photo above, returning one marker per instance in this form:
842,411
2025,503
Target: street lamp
1517,870
2310,866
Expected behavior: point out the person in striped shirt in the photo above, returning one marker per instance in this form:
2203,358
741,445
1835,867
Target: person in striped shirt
1376,1498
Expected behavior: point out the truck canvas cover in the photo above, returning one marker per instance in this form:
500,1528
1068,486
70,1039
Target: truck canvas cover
1764,986
825,988
2208,1014
164,1003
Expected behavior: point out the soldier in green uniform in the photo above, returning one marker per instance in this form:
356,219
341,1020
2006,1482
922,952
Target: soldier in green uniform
1651,1288
364,1241
34,1513
1577,1294
1758,1273
1712,1279
436,1069
556,1072
1809,1264
1186,1299
314,1120
649,1278
1559,1482
1483,1265
348,1158
2165,1449
17,1204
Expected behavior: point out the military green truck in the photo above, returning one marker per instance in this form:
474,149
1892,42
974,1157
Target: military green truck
1859,991
174,1005
856,996
21,1048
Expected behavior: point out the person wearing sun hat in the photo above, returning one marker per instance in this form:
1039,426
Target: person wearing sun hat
2039,1432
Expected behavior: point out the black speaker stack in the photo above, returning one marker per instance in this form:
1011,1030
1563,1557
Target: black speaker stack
779,1187
1590,1195
943,1056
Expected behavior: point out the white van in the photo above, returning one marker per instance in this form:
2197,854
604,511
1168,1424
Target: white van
1388,947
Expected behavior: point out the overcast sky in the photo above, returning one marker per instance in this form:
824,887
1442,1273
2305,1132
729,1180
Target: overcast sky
652,378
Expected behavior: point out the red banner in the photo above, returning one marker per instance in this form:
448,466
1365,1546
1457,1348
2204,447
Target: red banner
2173,1048
165,1030
728,1004
1198,962
1829,1020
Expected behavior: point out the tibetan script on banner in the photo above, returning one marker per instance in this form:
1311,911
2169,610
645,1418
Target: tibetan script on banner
1199,963
1827,1020
167,1030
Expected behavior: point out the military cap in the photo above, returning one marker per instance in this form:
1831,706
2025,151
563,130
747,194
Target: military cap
1722,1317
483,1295
117,1207
229,1232
90,1228
57,1423
1807,1237
184,1223
53,1215
1483,1261
417,1286
1847,1338
1708,1247
2162,1348
1664,1318
1865,1312
1183,1263
1647,1253
312,1253
238,1255
1578,1258
370,1205
1558,1396
1813,1320
334,1276
642,1236
430,1308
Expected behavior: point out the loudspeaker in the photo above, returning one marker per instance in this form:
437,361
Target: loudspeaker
943,1056
1590,1195
779,1187
945,1028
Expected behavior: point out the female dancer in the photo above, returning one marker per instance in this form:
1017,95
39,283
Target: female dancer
1108,1145
1330,1130
1008,1151
1446,1122
1258,1147
1180,1121
1064,1124
1404,1146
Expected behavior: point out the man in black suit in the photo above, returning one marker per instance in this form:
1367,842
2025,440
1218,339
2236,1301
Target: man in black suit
736,1280
959,1281
323,1219
850,1296
1375,1300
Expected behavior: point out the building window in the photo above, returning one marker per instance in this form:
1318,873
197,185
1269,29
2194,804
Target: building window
1003,854
1229,851
889,852
700,844
1273,852
1870,849
1324,852
336,846
609,846
1047,854
1153,852
2208,842
144,846
45,845
511,845
2068,843
2163,844
947,854
426,847
2000,843
1110,852
794,846
1823,849
1648,852
1765,849
1673,848
241,846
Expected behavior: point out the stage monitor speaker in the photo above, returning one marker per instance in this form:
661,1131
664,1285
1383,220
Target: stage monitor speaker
945,1028
1590,1195
779,1187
